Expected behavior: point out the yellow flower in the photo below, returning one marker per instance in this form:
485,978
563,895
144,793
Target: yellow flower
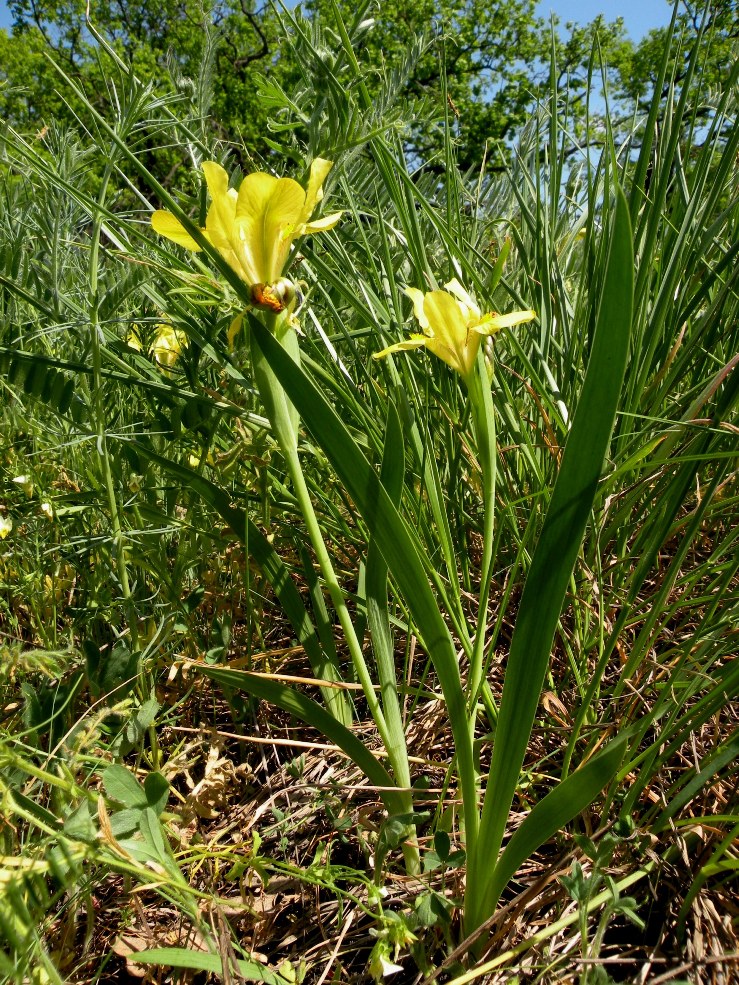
254,228
453,326
165,348
194,460
133,339
6,525
167,345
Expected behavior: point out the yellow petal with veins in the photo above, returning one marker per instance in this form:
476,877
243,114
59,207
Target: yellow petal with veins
319,170
282,225
414,342
219,222
267,212
451,339
417,297
166,225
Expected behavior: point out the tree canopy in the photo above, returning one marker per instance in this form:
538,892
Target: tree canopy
477,64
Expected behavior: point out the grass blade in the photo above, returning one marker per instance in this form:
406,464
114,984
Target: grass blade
556,809
554,557
310,712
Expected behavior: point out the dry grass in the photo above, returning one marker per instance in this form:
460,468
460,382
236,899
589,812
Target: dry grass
304,898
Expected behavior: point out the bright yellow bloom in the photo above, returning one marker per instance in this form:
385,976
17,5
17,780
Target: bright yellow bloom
194,460
133,339
453,326
6,525
254,228
167,346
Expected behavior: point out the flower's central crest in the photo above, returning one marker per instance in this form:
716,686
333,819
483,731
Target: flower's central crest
254,228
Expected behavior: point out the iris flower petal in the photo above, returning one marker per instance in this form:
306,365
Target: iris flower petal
281,225
450,340
254,229
414,342
417,297
252,206
166,225
320,225
219,222
455,288
494,323
319,170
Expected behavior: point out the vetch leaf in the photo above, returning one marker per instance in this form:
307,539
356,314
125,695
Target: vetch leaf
120,784
156,788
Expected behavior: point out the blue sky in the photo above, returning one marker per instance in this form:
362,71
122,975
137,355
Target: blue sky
639,15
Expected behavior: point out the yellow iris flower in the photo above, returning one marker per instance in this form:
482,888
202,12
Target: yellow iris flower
166,347
254,228
453,326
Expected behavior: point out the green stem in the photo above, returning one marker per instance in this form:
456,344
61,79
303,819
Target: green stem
483,418
284,420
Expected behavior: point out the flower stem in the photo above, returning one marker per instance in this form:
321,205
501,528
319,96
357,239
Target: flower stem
284,421
483,419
